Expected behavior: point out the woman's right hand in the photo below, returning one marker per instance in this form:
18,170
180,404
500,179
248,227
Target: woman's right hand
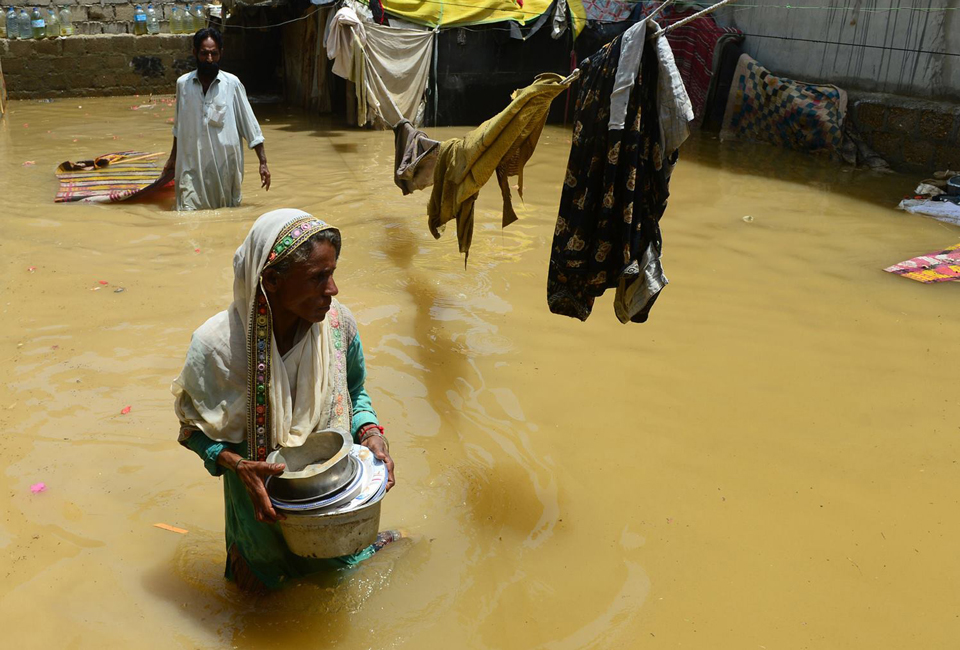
253,474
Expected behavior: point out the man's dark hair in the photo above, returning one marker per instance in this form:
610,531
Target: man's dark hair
204,34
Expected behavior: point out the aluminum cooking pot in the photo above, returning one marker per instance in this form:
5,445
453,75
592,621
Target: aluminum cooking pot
332,534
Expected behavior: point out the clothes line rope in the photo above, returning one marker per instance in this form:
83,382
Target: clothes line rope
532,14
863,45
740,7
225,26
689,19
662,6
660,32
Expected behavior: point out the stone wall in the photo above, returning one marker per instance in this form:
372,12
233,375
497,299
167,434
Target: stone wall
75,66
102,16
911,134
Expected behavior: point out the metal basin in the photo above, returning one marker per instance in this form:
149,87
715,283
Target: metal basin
319,467
332,535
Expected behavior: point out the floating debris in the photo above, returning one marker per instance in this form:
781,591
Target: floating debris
172,529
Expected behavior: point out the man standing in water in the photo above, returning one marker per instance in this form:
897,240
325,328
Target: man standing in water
213,114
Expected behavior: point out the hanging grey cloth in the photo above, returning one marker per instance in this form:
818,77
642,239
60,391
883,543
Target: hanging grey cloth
415,157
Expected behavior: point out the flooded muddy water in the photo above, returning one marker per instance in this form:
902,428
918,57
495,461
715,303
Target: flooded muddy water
770,462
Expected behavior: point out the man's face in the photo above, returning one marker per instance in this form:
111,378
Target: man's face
208,52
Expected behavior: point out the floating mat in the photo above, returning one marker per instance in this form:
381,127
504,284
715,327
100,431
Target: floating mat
111,178
935,267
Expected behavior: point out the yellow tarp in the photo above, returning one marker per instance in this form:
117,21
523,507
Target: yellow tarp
457,13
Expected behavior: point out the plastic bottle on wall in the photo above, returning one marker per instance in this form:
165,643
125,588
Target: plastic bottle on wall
13,27
3,23
176,25
139,21
153,24
66,21
38,26
53,23
23,23
199,19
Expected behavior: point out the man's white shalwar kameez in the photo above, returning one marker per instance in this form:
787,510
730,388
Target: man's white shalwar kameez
208,129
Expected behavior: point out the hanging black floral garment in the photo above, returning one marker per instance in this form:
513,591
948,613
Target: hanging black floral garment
615,192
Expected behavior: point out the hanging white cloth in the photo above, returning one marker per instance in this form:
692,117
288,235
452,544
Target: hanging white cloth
674,105
398,67
395,65
341,31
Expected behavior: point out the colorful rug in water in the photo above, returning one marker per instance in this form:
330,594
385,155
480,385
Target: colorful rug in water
112,178
763,107
935,267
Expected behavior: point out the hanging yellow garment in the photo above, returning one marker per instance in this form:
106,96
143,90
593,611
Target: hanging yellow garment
458,13
504,144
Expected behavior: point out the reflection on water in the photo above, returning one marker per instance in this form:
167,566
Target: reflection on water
769,462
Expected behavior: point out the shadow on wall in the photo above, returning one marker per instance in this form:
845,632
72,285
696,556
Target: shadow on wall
254,55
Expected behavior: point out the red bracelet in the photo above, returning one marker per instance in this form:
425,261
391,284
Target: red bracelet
370,427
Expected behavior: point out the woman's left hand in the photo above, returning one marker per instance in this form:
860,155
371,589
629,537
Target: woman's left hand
378,446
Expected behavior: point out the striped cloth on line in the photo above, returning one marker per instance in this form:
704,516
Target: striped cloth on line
110,178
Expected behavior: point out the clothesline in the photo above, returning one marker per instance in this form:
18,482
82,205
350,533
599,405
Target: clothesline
660,32
741,7
691,18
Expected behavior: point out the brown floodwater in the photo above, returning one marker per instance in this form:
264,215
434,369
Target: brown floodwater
770,462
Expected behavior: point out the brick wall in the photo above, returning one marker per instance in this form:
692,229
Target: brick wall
91,64
76,66
911,134
102,17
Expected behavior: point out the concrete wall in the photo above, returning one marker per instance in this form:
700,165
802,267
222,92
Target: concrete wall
911,134
803,43
95,65
101,16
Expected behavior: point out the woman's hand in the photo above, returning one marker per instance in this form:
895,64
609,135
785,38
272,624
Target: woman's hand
378,446
253,474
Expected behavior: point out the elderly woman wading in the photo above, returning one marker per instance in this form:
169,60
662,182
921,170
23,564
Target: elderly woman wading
283,361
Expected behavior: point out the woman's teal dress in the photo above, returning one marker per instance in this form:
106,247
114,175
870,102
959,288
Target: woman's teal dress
260,544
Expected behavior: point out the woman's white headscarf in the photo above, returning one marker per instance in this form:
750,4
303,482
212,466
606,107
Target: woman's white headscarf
235,380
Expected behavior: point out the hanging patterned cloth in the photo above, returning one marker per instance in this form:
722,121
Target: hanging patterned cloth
631,102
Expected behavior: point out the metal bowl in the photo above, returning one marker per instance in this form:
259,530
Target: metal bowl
351,489
333,534
953,185
320,466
